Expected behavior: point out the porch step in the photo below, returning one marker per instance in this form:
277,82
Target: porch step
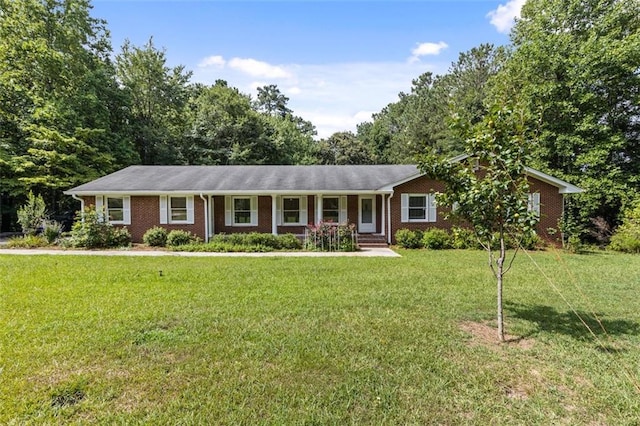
372,240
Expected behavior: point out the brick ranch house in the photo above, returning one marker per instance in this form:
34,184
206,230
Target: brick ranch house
208,200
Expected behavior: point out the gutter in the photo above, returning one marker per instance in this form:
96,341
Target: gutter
75,197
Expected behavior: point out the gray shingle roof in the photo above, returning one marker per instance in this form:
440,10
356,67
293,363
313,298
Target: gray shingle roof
255,179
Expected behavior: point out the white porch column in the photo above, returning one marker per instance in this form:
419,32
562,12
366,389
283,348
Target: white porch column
274,215
319,208
383,225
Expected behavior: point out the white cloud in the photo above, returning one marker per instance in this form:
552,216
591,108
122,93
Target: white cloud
212,61
334,97
504,16
257,68
425,49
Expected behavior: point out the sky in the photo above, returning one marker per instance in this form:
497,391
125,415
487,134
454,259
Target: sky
337,61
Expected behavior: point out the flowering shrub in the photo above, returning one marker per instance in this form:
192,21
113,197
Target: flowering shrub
330,236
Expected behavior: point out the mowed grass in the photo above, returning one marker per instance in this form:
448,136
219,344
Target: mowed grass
318,340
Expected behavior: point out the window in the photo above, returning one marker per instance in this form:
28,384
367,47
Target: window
331,209
241,211
534,203
116,208
418,208
290,211
176,209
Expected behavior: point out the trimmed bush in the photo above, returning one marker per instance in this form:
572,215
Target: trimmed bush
406,238
289,242
178,237
155,237
464,238
436,239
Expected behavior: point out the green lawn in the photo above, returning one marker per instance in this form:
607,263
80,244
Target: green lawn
317,340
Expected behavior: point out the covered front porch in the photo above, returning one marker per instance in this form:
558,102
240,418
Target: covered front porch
292,213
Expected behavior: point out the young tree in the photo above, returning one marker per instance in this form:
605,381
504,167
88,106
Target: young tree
489,189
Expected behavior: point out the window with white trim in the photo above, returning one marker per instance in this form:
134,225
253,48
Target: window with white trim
242,211
116,208
176,209
290,210
534,203
418,208
331,209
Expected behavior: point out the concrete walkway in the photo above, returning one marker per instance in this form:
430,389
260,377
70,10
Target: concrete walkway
366,252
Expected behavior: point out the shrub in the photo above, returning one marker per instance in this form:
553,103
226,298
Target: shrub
155,237
406,238
328,236
27,241
223,247
464,238
289,242
51,230
436,239
626,237
32,214
178,237
91,231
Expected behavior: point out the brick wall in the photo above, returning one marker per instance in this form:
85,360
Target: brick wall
551,206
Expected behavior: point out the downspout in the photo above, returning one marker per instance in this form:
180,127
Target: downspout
206,217
75,197
389,218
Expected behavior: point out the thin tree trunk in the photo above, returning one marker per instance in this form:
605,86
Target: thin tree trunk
499,279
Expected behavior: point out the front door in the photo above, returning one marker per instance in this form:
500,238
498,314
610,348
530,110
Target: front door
367,214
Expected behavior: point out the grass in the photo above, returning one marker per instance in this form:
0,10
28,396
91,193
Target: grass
317,340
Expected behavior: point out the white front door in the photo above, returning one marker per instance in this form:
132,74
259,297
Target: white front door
367,213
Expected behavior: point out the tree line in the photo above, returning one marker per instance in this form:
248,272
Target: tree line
71,111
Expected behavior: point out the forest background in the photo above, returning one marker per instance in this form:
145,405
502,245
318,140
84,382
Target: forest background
72,109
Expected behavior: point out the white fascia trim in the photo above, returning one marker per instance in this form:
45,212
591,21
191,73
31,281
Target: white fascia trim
388,189
236,192
563,186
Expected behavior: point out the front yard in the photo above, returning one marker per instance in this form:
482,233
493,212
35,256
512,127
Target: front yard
318,340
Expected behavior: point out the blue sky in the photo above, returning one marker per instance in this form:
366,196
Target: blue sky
337,61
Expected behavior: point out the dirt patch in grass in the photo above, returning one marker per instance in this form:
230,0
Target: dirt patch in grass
485,335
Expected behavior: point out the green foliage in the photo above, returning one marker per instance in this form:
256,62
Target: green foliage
255,239
289,242
626,237
224,247
91,231
52,231
464,238
28,241
179,237
575,68
155,237
409,239
32,214
436,239
327,236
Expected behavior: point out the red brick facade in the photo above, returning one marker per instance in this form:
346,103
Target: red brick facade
145,212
